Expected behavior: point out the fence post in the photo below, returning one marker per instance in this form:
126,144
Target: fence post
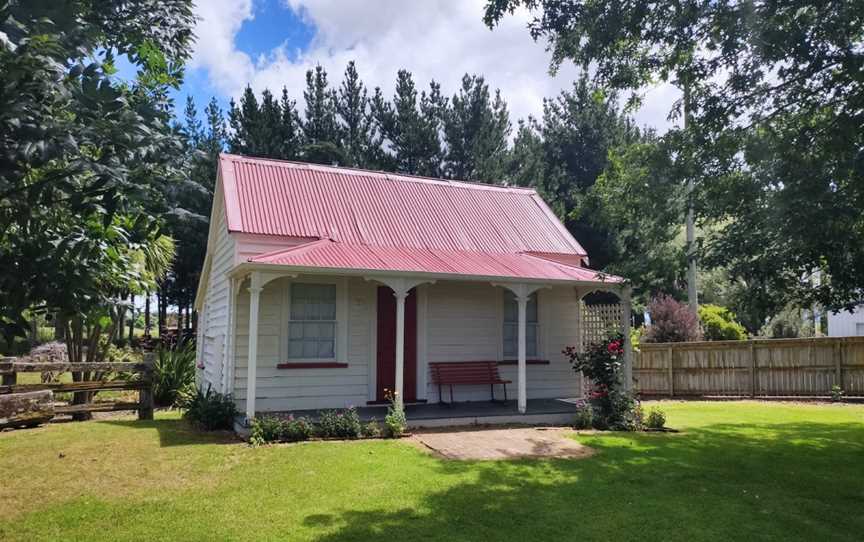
145,395
752,368
10,378
671,353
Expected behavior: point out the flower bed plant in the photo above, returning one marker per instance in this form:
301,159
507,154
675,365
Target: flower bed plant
331,424
612,406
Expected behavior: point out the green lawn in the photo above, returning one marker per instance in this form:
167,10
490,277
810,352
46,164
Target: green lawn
745,471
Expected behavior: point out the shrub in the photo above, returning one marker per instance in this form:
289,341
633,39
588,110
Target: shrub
718,324
339,424
211,411
656,419
371,430
671,322
837,393
174,374
395,421
265,430
584,418
602,363
296,429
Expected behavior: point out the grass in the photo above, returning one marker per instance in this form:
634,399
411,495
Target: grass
761,471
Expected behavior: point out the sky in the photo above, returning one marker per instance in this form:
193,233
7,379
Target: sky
271,44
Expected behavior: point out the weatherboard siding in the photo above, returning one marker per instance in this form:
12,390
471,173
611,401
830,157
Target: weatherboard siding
296,389
465,323
214,336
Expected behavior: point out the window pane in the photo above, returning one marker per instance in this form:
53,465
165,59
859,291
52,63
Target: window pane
310,349
325,349
327,330
511,326
295,331
295,349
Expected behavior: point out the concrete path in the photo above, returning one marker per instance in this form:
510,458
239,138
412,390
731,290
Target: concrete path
513,443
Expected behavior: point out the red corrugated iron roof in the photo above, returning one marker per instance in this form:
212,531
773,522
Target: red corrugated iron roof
332,255
373,221
357,207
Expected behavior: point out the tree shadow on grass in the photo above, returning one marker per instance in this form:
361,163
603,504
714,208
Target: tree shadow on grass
177,432
796,481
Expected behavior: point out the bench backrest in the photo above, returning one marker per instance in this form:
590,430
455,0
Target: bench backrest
465,372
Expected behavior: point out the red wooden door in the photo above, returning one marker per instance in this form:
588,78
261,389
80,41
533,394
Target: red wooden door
386,371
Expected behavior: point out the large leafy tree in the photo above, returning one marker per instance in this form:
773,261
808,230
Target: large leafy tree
476,126
564,153
787,75
82,156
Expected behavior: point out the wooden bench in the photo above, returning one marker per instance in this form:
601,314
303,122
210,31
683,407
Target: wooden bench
467,372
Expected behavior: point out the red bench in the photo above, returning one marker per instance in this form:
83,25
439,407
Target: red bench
467,372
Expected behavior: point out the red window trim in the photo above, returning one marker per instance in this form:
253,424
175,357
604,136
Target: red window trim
527,362
312,365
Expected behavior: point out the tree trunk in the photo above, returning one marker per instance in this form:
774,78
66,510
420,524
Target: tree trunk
131,318
59,328
147,316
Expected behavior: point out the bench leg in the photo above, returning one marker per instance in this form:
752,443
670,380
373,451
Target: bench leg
440,396
492,391
505,393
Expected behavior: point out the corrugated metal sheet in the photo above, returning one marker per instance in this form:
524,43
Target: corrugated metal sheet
364,208
334,255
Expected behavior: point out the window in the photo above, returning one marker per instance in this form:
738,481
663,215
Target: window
859,329
312,326
511,326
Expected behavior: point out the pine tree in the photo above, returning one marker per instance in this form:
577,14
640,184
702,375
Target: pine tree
290,129
321,128
410,126
476,128
245,122
357,122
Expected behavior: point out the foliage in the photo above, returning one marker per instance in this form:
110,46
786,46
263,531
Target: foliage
774,129
410,126
83,155
638,200
265,430
395,422
719,324
671,322
837,393
174,374
656,419
371,430
476,127
602,364
584,418
211,411
789,323
339,423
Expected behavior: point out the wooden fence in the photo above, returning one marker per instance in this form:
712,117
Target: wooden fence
758,368
27,404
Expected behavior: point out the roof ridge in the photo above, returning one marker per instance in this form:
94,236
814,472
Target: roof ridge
391,176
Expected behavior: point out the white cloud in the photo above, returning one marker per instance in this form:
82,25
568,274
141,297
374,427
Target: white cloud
434,39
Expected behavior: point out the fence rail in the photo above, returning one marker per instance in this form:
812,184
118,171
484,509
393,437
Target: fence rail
757,368
34,403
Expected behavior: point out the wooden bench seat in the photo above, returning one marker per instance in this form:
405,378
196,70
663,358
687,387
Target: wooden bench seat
467,372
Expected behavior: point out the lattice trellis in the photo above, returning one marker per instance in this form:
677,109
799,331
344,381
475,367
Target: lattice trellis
598,321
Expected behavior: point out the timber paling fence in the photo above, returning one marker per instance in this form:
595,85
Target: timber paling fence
757,368
27,405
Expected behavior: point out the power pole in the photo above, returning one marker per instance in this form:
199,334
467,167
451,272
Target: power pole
692,292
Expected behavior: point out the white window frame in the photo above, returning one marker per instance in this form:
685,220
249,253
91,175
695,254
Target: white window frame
340,332
538,336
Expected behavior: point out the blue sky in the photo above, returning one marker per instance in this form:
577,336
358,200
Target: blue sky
271,44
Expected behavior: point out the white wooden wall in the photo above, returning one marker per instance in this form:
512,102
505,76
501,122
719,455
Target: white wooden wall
456,322
214,319
846,324
298,389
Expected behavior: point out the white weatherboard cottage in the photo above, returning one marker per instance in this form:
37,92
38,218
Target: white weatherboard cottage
324,286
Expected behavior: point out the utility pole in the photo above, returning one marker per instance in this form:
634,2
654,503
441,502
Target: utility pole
692,292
